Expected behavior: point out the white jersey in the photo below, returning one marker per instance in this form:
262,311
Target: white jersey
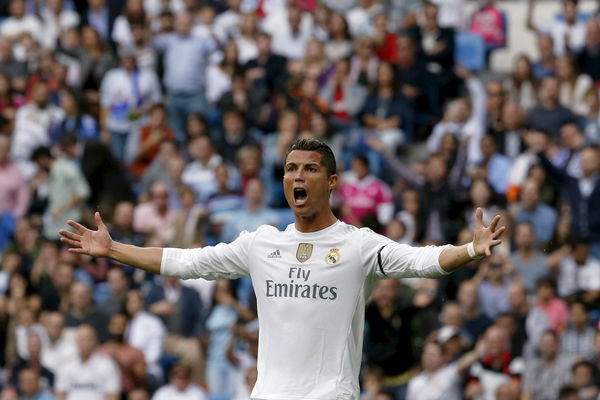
311,290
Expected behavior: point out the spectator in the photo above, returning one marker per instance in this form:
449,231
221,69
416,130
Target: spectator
495,276
82,310
145,332
90,375
14,196
30,388
568,157
554,307
582,375
185,62
118,286
55,20
578,338
199,174
154,216
61,342
180,386
290,32
67,191
127,93
494,165
475,322
579,274
365,197
34,363
234,136
34,123
527,261
254,215
76,122
130,360
546,374
219,75
521,86
19,23
573,85
532,210
100,15
549,115
8,64
589,57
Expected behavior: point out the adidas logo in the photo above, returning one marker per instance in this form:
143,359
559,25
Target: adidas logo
275,254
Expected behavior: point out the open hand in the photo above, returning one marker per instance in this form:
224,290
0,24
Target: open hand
86,241
484,239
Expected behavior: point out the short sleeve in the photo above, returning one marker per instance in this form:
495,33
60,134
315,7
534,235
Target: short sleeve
388,259
223,261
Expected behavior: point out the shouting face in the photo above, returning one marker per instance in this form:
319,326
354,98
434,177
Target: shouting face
306,183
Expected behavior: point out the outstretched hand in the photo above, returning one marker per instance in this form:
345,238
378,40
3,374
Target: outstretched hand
484,239
86,241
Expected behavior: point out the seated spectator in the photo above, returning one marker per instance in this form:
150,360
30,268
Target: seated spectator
199,174
532,210
150,136
582,379
494,275
549,115
30,387
364,196
579,274
521,85
180,386
572,142
34,363
188,225
363,64
145,332
224,203
219,74
588,58
90,375
527,261
152,217
14,196
481,195
578,338
118,286
545,375
253,215
475,322
121,228
76,122
131,363
60,345
20,23
554,307
441,376
573,85
82,310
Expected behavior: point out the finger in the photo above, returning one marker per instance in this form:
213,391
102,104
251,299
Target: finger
494,223
70,235
499,232
72,243
77,250
495,243
99,221
488,251
478,218
77,226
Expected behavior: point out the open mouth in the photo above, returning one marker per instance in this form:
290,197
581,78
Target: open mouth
300,196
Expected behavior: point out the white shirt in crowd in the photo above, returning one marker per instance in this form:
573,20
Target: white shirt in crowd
442,384
146,332
55,354
53,25
573,277
311,290
170,392
94,379
285,42
559,30
13,28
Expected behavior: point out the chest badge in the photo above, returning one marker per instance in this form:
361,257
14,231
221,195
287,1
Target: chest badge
304,252
333,257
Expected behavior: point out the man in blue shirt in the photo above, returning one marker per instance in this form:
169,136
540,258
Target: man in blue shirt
534,211
185,62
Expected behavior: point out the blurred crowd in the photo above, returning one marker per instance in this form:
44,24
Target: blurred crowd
172,118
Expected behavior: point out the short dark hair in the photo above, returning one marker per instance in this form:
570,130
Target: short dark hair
327,157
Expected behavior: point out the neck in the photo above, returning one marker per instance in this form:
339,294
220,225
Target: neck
525,252
320,220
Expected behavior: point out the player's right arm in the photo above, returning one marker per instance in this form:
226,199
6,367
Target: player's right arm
98,243
223,261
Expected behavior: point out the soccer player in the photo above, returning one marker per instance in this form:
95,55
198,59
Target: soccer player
311,280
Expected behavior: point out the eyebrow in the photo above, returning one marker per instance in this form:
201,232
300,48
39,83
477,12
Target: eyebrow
308,164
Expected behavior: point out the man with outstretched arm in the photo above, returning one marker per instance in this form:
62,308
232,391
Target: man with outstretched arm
311,280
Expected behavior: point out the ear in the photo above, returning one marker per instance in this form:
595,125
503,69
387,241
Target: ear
333,181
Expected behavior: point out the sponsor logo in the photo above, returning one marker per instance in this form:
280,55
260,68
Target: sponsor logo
304,252
333,257
275,254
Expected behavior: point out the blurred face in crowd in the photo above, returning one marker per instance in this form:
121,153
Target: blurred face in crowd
29,382
222,176
138,394
17,8
488,146
386,293
306,183
570,11
508,391
582,376
431,17
54,325
117,326
496,339
34,346
432,357
406,50
524,236
495,94
360,168
436,169
123,217
201,149
544,292
522,68
530,194
95,4
233,123
134,302
86,341
571,136
385,75
117,281
549,91
548,346
546,46
263,43
294,18
41,95
589,162
68,103
395,230
254,193
495,265
579,315
580,252
160,195
564,68
80,296
63,276
467,295
452,315
480,193
4,149
181,377
183,24
592,37
410,201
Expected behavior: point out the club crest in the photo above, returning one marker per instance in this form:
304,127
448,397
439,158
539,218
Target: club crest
333,257
304,252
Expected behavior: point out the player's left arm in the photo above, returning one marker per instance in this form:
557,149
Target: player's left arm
484,239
